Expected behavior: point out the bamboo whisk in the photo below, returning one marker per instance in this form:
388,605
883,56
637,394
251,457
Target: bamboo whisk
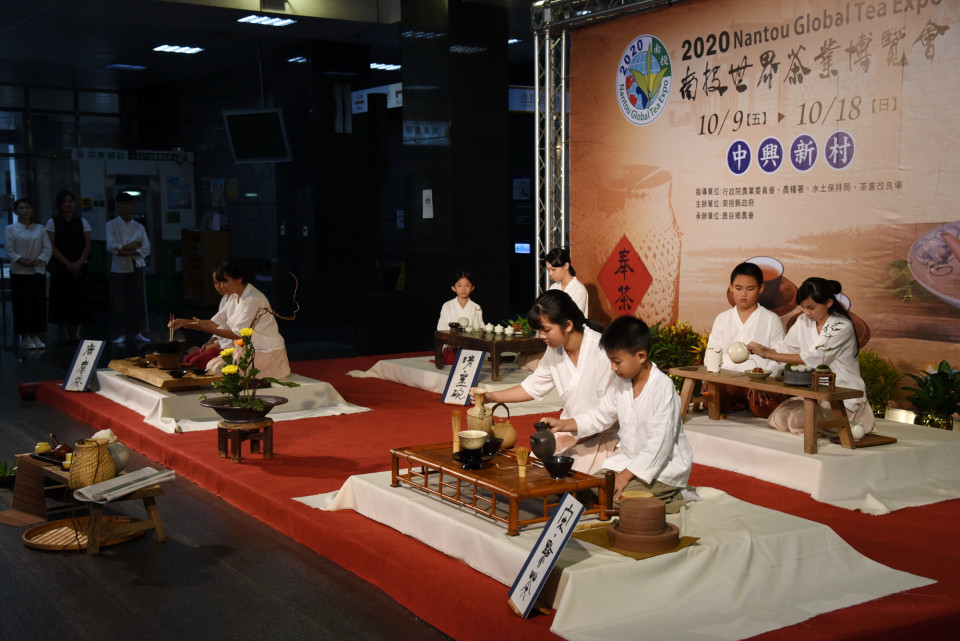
456,430
521,454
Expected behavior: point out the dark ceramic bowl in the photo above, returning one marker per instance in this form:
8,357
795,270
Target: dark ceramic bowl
491,446
199,371
454,326
177,373
558,466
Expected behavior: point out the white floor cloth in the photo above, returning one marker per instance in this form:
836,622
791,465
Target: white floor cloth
753,569
167,410
420,372
922,467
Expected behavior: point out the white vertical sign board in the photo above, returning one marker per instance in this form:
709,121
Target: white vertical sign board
428,203
83,366
463,376
544,555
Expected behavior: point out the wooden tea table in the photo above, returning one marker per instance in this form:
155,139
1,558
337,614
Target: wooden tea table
495,344
161,378
491,485
811,398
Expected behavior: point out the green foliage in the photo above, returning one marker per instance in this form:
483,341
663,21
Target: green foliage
937,391
881,379
676,345
6,469
519,323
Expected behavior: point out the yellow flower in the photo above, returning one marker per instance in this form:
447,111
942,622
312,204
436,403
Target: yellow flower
238,342
246,332
230,369
226,352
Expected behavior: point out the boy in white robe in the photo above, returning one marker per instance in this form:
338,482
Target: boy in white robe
747,321
653,453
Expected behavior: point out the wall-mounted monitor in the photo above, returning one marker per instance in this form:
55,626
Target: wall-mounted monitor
257,135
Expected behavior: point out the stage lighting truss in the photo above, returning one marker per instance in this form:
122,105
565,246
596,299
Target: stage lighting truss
552,22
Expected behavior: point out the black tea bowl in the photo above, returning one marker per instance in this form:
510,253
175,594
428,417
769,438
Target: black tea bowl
491,446
558,466
177,373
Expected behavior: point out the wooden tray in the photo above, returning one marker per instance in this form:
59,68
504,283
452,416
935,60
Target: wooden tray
161,378
71,534
869,440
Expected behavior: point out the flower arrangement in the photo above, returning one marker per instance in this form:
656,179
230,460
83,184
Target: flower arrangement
937,395
520,324
238,377
676,345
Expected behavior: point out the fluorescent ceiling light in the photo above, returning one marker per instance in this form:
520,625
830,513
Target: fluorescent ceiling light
251,194
267,21
177,49
380,66
298,59
513,41
466,49
123,67
421,35
343,74
131,192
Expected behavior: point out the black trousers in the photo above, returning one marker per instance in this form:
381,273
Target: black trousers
28,293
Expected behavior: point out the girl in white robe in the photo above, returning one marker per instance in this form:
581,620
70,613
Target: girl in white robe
824,334
564,277
576,367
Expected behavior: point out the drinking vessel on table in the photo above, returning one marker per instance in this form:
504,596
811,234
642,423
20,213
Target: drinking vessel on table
471,448
772,276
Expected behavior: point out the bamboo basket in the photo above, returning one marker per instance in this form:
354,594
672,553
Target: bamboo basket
92,463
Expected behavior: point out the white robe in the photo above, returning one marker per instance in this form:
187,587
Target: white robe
577,292
451,313
835,345
121,232
27,242
652,443
763,326
580,387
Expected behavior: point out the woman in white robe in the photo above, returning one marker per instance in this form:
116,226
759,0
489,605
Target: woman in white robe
564,277
576,367
249,310
824,334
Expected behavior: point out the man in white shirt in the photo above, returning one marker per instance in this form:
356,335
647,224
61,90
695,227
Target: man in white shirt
129,246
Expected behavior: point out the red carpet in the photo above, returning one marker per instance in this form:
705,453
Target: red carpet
317,455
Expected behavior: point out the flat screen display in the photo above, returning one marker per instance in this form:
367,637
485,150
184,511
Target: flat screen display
257,135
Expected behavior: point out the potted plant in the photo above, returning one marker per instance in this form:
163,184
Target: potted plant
8,474
882,381
238,384
676,345
936,396
520,325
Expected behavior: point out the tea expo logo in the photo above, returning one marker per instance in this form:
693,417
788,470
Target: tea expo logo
644,78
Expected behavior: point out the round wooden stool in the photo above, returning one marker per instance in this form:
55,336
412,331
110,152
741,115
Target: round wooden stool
230,435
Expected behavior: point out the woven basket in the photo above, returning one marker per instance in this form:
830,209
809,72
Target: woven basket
91,464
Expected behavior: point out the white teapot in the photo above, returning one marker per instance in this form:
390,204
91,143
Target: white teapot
738,352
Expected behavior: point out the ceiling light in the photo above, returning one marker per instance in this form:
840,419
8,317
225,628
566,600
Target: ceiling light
380,66
340,74
122,67
267,21
421,35
514,41
131,192
298,59
177,49
466,49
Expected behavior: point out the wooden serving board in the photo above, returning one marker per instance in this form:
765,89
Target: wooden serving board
161,378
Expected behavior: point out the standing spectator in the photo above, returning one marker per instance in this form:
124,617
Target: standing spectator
69,287
127,242
29,250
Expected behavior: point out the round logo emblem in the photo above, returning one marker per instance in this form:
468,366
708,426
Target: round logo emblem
644,78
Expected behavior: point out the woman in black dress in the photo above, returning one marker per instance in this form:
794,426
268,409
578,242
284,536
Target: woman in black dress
69,287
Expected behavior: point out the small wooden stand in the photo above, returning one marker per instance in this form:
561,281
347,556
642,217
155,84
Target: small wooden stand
231,435
823,382
101,530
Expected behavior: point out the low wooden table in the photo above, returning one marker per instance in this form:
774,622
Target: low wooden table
490,485
811,399
29,506
162,378
495,344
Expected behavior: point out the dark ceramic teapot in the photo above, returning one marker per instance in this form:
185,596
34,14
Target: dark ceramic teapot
543,443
